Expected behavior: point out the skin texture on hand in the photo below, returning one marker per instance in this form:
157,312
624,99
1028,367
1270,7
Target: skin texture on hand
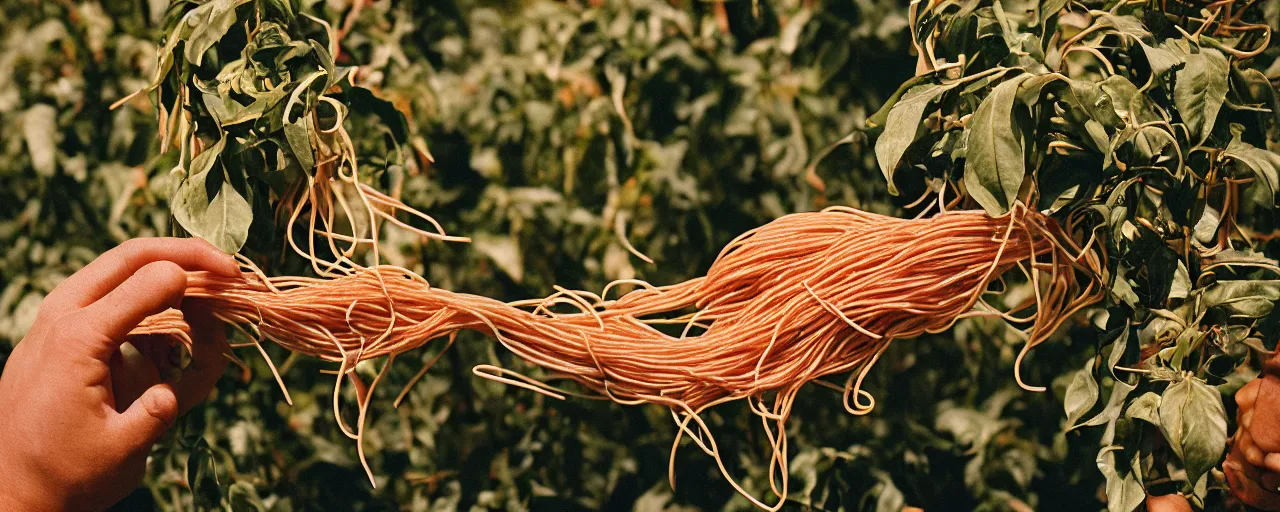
80,417
1168,503
1253,463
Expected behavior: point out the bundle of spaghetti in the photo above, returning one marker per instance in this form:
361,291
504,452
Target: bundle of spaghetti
805,296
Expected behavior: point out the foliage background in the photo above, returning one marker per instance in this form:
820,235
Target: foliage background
535,161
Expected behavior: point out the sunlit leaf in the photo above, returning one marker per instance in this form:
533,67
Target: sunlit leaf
1264,164
1124,487
1081,394
209,22
1199,90
996,166
208,206
901,126
1194,422
1146,408
39,131
504,251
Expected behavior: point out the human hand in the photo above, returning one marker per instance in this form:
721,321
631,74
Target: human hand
1168,503
1253,463
79,417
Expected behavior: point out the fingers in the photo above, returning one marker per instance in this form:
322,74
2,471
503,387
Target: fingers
1248,394
115,266
1272,462
146,421
152,289
207,359
1253,455
1251,466
1244,481
1244,445
1266,415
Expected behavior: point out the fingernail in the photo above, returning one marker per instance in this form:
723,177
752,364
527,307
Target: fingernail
1272,461
1253,455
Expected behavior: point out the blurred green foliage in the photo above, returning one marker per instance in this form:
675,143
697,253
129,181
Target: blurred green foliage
556,128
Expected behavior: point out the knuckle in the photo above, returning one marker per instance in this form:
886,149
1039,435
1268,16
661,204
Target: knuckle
47,307
66,330
160,406
123,255
166,272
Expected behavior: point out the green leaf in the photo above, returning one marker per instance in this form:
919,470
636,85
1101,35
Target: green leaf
1050,8
1007,29
969,428
221,107
1127,100
1186,342
831,58
789,39
1090,101
202,477
1263,163
890,498
1120,345
223,219
1199,90
209,22
1161,59
1246,258
1029,91
1194,423
40,132
299,136
242,497
1122,290
504,251
1250,299
1124,487
881,116
901,126
1081,394
1129,26
1145,408
261,104
363,100
1253,86
1113,409
995,165
1206,229
1181,282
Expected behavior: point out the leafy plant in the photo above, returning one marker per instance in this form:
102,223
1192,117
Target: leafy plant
731,106
250,93
1153,126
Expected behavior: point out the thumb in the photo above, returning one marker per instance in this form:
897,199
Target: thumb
147,419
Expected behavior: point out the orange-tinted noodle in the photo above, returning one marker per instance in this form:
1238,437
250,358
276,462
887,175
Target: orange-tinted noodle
805,296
